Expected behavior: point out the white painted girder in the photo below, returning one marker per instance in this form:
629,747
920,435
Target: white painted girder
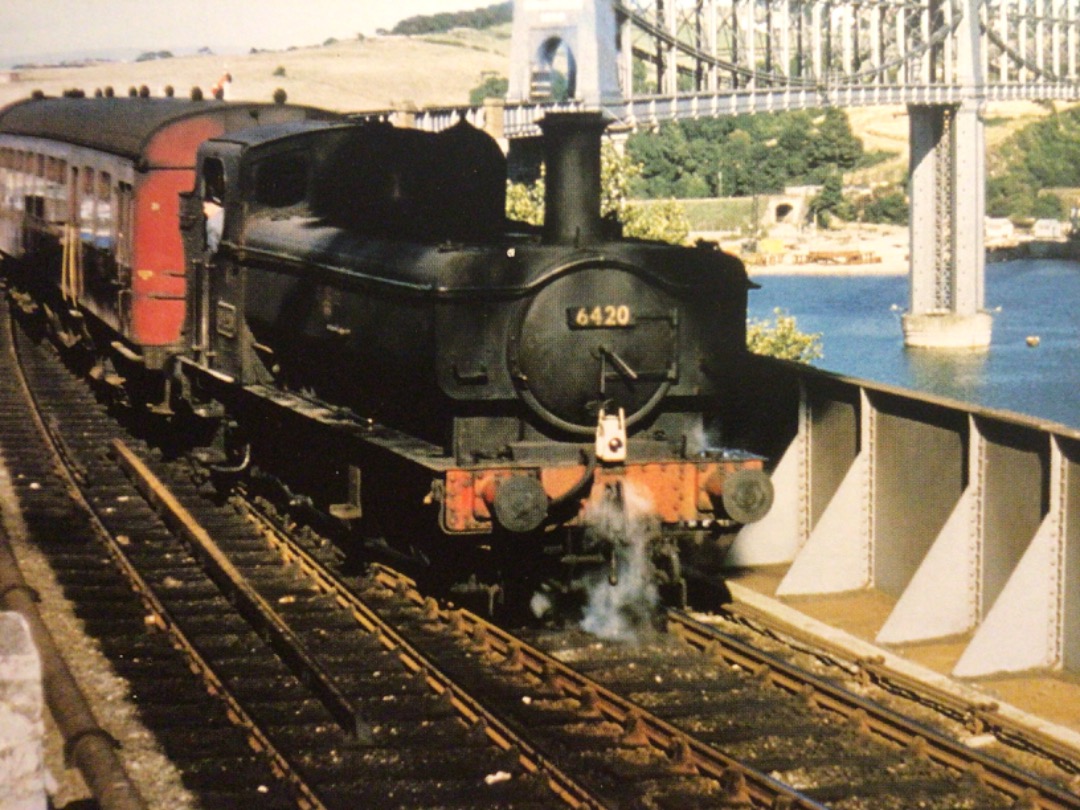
1024,629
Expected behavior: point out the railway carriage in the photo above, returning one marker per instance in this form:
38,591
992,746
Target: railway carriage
89,189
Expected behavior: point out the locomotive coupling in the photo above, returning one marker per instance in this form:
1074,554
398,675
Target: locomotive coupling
611,437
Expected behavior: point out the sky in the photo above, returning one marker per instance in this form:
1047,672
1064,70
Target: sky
33,28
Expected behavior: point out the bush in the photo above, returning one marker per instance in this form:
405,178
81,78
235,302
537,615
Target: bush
279,71
744,155
782,339
441,23
889,207
491,87
1048,206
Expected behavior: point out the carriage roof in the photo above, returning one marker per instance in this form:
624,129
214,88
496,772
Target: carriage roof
119,126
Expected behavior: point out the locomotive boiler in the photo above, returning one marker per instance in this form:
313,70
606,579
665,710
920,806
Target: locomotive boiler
494,377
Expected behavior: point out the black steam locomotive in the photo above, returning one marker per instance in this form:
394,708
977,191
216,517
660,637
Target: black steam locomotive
492,377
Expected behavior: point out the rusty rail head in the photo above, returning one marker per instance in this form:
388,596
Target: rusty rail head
569,790
879,721
640,728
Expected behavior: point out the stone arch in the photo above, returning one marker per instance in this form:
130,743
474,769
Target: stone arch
783,211
555,71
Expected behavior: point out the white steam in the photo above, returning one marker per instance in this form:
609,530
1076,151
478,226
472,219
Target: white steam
625,521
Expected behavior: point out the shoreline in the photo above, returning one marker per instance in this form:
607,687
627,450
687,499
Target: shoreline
809,269
859,250
849,250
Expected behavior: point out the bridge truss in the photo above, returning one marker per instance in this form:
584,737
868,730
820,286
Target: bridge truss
678,57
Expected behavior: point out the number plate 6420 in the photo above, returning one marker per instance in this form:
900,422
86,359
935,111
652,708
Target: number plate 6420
604,316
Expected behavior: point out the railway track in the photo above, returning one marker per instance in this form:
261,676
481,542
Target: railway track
321,689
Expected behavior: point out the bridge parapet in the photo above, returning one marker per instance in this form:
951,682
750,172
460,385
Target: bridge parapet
969,517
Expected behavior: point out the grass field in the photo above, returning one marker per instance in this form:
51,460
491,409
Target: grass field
377,73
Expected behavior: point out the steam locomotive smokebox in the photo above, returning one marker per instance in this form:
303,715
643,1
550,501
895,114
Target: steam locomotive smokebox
572,187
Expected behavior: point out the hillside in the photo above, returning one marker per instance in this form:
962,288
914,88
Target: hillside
886,129
436,69
374,74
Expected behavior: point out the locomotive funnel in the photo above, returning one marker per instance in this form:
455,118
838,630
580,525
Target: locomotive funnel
572,187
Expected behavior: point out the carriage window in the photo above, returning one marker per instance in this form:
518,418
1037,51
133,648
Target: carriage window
124,216
282,180
88,205
106,236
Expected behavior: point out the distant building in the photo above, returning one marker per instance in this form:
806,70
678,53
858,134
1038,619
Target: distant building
9,76
1048,229
999,230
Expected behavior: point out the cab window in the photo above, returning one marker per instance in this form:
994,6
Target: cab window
282,180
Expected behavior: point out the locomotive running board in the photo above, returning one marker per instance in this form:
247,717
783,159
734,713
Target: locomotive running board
418,451
365,433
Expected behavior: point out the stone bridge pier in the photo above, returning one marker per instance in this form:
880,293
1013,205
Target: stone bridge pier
948,255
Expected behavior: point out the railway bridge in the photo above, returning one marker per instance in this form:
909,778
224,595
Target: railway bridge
968,518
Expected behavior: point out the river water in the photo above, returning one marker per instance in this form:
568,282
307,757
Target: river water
859,320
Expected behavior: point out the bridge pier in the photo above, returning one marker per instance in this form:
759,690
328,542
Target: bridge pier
948,255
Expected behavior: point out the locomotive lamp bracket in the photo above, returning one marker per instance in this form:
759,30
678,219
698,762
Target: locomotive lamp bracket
611,437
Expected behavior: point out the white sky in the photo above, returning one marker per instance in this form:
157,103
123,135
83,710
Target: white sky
33,27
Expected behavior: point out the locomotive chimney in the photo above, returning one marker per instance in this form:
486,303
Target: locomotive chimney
572,185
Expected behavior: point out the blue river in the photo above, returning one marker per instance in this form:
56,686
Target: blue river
859,321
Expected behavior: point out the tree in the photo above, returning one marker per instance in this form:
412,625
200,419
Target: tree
832,145
443,22
889,206
829,201
663,221
745,154
1042,155
782,339
492,87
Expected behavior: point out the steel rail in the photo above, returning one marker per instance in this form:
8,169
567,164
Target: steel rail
529,757
739,782
977,716
84,750
876,719
86,744
245,598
